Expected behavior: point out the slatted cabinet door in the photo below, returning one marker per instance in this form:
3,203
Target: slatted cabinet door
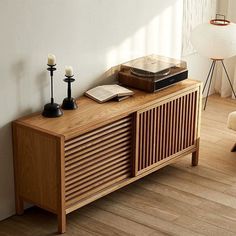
97,159
165,130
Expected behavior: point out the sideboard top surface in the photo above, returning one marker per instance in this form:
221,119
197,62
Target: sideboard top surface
91,114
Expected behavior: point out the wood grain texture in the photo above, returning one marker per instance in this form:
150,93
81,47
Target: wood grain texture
37,163
61,209
177,200
76,122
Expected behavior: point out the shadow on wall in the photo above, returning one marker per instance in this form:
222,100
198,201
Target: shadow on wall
108,77
20,70
6,169
42,84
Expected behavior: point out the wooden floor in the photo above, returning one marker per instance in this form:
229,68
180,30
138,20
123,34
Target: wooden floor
177,200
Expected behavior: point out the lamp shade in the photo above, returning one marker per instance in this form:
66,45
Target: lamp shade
215,41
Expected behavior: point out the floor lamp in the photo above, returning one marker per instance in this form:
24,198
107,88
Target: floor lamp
217,41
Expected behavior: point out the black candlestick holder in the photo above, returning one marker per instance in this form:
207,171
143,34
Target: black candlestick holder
52,109
69,103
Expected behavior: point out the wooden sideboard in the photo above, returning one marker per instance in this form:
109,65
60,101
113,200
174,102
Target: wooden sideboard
64,163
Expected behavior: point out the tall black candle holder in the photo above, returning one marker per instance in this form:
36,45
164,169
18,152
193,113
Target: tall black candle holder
52,110
69,103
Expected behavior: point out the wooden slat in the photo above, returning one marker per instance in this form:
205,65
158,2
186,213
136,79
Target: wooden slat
187,118
134,146
177,125
95,174
108,143
86,186
192,122
96,132
77,177
95,143
164,132
173,112
158,136
193,125
72,177
167,130
100,136
155,134
147,138
193,118
152,146
173,127
100,151
100,156
96,184
180,123
140,141
185,132
150,156
97,187
88,183
160,132
82,169
144,143
80,199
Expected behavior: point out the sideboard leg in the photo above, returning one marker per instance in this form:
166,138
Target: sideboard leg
233,149
61,219
195,155
195,158
19,206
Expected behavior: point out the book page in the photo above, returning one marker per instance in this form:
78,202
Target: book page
118,90
99,93
106,92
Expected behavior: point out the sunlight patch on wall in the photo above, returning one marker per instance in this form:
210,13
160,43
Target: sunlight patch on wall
162,35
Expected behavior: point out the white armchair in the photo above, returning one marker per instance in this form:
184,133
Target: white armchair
231,124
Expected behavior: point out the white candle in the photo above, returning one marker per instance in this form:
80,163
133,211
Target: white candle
51,60
69,71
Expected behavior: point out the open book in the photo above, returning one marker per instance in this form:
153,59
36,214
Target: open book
107,92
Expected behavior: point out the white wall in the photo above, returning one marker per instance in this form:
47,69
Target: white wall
90,35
